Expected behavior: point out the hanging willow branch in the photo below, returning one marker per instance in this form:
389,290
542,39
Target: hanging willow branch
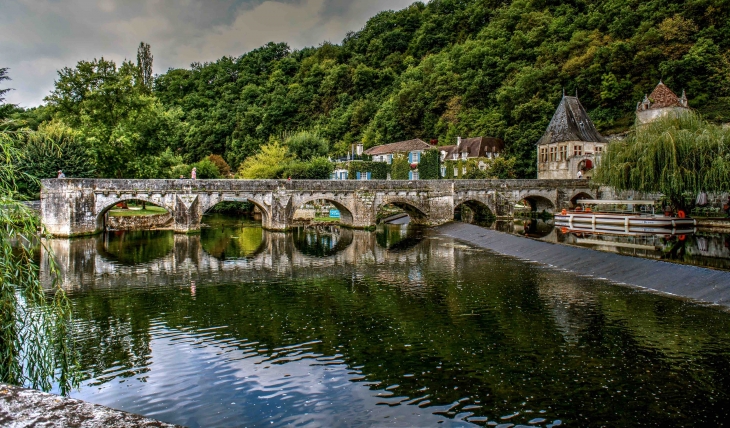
36,347
676,156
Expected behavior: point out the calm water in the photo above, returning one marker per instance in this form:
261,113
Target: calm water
330,327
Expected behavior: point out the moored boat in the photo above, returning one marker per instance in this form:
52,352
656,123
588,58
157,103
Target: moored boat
626,217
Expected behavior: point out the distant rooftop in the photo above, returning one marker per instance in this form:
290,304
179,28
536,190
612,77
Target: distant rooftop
571,123
662,97
475,147
399,147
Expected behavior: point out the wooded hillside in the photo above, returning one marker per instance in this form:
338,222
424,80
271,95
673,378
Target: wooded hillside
434,71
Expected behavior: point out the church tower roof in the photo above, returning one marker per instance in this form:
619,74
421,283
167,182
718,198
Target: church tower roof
571,123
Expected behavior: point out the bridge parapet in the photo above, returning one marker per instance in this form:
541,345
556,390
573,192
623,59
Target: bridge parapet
72,207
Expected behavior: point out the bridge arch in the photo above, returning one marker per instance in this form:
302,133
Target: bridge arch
265,212
476,211
105,206
346,217
539,203
415,212
580,195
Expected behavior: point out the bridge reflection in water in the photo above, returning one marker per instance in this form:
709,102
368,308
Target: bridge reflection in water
325,326
162,257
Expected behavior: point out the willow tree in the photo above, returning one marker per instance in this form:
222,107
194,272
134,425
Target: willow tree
36,348
676,156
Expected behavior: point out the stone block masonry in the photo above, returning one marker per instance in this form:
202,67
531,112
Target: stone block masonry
76,207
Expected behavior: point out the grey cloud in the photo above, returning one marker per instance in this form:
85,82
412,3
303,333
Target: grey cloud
39,37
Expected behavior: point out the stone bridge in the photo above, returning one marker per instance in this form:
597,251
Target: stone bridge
74,207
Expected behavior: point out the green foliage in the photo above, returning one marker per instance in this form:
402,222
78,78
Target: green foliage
377,170
429,167
206,169
36,340
675,156
165,165
5,109
435,70
221,164
267,164
306,145
42,153
400,167
318,168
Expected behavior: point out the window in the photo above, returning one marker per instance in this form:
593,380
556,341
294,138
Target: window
563,153
577,150
415,175
455,156
543,154
464,155
443,171
463,170
456,172
553,153
599,149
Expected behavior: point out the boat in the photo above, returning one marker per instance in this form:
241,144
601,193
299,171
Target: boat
627,218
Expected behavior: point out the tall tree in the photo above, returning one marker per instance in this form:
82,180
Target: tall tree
4,76
144,66
4,108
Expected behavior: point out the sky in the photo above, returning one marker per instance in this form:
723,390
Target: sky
40,37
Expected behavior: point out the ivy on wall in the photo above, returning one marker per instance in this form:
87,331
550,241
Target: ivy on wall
500,167
430,164
400,167
377,170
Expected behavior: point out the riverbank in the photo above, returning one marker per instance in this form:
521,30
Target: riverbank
701,284
21,407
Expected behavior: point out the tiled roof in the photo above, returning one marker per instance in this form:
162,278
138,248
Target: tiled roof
571,123
475,147
399,147
662,97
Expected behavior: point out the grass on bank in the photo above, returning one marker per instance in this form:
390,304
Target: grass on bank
137,212
327,219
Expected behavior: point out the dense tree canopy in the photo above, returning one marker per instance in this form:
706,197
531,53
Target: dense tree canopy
432,71
677,156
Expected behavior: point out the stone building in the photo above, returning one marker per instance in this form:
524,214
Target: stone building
571,143
662,102
413,148
478,147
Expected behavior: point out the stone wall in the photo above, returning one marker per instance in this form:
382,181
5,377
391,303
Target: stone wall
142,222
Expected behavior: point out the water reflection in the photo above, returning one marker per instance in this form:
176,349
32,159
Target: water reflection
437,332
322,240
399,237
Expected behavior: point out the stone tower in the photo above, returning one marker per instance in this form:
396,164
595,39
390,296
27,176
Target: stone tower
571,143
662,102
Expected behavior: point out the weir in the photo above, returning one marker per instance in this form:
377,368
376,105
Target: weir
76,207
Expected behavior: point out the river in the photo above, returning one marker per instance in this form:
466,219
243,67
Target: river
401,327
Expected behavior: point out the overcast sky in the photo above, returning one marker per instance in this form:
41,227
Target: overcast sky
39,37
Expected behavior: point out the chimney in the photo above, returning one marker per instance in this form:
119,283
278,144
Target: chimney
458,142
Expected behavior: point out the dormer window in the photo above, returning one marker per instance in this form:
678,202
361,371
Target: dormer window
456,156
464,155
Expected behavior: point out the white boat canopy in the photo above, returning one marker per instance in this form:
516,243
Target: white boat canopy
615,201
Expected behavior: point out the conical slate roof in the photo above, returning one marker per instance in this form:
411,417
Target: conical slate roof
571,123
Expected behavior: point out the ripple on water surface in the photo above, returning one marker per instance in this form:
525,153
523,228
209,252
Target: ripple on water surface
431,333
